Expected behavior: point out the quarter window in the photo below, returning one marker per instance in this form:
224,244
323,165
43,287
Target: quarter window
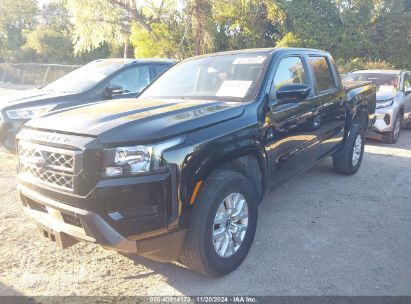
322,73
289,71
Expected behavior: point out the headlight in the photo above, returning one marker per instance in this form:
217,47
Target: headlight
134,160
385,103
28,113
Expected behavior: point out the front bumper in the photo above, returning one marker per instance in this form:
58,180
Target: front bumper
385,119
67,196
67,224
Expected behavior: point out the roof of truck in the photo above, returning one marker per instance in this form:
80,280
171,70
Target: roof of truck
261,51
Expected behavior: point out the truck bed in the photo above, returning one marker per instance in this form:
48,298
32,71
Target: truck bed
361,93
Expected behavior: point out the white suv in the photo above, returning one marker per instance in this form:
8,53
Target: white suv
393,101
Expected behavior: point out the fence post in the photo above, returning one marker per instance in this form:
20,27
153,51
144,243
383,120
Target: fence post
4,72
45,76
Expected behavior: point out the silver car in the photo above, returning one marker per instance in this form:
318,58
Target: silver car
393,101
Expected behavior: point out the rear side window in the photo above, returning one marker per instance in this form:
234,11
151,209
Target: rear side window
407,82
322,73
289,71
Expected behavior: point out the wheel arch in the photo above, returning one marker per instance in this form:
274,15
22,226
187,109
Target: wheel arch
250,161
361,116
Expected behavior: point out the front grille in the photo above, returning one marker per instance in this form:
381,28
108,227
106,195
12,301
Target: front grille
46,164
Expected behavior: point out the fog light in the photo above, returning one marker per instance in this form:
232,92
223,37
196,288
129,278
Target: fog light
387,119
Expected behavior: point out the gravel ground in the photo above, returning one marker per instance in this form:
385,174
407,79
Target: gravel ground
319,234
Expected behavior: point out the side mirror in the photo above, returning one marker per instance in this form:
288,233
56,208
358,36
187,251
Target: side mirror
407,91
295,91
113,90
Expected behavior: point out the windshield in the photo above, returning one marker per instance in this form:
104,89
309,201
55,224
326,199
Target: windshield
84,78
235,77
383,81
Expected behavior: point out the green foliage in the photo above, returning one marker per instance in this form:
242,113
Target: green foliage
359,33
16,16
49,45
362,64
96,22
168,37
247,23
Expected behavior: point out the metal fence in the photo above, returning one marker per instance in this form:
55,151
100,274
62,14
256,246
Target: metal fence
33,74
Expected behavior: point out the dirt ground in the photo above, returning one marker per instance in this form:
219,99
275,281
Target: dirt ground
319,234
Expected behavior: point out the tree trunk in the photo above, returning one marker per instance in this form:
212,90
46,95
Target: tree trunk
125,49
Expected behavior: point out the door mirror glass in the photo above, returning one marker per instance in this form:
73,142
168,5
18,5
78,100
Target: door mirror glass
112,90
293,92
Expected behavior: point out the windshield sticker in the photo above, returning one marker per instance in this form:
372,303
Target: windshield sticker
250,60
234,88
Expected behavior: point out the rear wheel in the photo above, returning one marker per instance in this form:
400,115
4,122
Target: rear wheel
348,160
222,226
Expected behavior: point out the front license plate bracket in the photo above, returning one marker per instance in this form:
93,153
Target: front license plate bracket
61,239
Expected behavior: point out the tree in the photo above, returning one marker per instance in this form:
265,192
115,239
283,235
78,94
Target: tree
201,25
16,16
110,21
313,23
247,23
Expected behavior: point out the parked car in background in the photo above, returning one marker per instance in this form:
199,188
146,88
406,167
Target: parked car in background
99,80
179,172
393,101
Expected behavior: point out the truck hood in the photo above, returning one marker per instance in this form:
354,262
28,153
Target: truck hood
138,120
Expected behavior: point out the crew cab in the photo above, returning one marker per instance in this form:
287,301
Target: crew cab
102,79
179,172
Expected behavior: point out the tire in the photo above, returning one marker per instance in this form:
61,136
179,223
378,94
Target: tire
392,137
348,160
199,253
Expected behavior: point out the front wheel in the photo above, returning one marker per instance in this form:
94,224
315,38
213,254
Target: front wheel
348,160
392,137
222,225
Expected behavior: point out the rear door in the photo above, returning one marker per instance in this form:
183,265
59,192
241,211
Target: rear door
291,127
331,99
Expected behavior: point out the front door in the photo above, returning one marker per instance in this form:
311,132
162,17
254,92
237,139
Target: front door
292,127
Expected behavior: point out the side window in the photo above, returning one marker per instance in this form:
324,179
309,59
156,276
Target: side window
322,73
407,82
158,69
289,71
132,80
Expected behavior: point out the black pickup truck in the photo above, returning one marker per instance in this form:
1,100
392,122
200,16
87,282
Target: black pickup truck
178,173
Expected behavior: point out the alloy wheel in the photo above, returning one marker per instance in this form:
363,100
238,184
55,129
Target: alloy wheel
230,225
356,155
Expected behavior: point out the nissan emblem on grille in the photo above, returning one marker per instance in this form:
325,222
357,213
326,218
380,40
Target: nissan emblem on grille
44,164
